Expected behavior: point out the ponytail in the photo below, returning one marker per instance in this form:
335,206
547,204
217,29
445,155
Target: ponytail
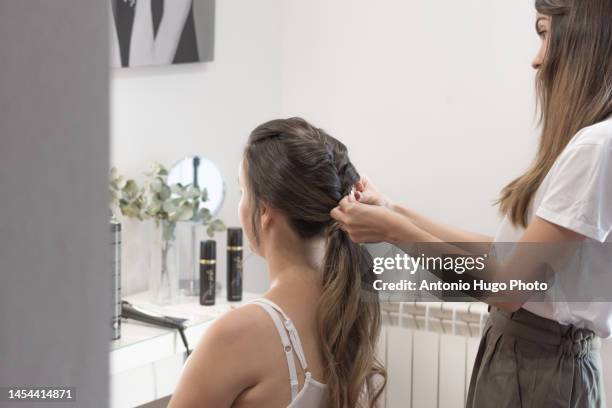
349,324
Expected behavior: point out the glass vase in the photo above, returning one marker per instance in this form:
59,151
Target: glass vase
189,273
163,263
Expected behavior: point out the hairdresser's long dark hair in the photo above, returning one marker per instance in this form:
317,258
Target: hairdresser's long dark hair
574,89
303,172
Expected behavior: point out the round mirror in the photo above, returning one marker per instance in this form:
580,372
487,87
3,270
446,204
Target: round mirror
200,172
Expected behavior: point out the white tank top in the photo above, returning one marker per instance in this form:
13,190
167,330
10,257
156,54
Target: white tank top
313,394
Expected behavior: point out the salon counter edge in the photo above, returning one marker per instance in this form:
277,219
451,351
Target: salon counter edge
146,362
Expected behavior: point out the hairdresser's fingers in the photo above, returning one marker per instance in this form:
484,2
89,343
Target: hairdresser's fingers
367,197
360,185
338,215
356,237
351,197
345,204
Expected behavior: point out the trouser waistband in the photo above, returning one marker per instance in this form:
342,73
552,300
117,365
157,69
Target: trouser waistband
528,326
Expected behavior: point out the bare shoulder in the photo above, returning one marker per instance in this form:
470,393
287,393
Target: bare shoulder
229,358
244,335
240,328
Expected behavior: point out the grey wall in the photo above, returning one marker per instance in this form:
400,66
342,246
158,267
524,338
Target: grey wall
54,263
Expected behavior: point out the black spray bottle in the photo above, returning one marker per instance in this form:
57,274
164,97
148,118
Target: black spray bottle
208,272
234,264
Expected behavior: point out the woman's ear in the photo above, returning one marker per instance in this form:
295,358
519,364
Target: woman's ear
265,216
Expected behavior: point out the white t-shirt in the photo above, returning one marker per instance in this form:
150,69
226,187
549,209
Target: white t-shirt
577,194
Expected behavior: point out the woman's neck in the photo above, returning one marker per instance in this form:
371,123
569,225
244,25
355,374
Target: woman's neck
294,261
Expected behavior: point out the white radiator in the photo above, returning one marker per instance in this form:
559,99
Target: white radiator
429,349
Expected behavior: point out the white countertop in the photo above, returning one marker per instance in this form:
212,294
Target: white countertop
145,348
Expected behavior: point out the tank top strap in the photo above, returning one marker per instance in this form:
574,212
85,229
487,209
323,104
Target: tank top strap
289,339
292,330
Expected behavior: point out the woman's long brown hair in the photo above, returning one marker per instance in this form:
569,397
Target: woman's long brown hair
303,172
574,87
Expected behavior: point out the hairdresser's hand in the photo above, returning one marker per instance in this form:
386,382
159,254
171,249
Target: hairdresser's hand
364,223
366,193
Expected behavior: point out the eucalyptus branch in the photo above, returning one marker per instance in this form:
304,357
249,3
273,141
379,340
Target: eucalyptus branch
159,201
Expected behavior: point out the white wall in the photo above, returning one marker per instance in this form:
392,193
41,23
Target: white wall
166,113
433,98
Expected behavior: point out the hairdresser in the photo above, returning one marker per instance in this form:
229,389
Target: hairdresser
538,354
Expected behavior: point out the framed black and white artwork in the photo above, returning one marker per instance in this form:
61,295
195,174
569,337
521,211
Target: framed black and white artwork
161,32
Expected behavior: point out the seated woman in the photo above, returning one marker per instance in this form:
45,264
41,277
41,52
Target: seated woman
310,341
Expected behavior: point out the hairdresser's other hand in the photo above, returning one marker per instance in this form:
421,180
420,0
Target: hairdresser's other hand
364,223
366,193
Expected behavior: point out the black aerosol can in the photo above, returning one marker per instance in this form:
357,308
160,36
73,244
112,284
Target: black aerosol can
208,272
234,264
